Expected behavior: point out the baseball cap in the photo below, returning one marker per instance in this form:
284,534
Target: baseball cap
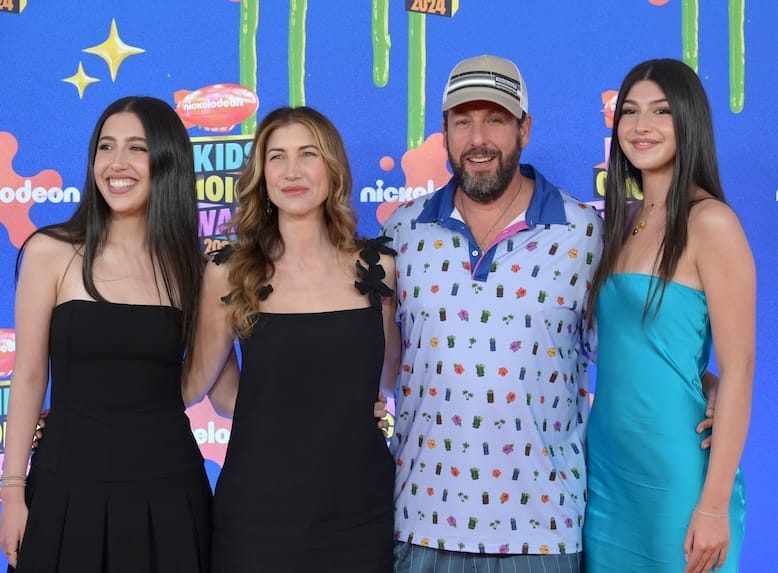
487,78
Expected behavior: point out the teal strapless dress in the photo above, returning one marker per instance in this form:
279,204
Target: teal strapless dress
645,466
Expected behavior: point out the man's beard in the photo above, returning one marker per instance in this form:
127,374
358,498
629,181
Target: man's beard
486,188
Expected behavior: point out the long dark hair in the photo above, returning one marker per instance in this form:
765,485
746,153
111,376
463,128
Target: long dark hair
171,214
695,166
258,241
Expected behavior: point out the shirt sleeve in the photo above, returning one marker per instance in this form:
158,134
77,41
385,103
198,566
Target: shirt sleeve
594,253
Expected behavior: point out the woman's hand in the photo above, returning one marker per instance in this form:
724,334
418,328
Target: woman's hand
707,542
13,522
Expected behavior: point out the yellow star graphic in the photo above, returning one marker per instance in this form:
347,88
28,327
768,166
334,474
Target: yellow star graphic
80,79
113,50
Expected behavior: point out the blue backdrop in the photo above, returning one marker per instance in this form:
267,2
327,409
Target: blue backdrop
377,69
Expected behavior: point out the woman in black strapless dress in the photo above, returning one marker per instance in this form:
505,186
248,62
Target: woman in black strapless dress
109,299
307,482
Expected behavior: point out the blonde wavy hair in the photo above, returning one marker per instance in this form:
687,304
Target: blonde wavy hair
257,241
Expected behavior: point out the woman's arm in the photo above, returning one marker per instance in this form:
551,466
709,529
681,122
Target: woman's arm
213,339
224,393
392,340
727,274
36,296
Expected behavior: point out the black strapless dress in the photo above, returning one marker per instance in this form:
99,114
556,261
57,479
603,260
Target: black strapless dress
307,483
117,484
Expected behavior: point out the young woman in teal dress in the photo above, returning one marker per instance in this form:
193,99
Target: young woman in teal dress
676,275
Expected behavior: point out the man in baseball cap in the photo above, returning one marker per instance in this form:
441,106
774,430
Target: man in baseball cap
492,282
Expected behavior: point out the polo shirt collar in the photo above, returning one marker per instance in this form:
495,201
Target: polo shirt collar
546,206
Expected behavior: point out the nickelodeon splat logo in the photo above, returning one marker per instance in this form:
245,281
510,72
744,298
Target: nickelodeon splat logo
13,6
218,107
18,193
424,169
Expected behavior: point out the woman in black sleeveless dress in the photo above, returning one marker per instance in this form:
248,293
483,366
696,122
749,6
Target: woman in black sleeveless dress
307,480
109,298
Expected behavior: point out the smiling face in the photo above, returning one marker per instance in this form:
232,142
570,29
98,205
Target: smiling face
645,131
121,164
484,143
295,172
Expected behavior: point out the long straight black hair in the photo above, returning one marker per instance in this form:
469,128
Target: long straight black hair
695,166
171,213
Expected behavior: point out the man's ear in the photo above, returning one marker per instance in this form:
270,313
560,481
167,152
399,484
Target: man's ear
445,130
525,127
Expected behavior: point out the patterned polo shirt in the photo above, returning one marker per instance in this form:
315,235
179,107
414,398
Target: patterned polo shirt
492,398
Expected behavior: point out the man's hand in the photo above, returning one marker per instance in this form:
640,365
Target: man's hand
710,387
379,411
38,436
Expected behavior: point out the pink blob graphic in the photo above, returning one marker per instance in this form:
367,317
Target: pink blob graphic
211,431
386,163
15,216
420,165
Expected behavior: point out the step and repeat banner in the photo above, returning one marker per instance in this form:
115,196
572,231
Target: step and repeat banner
377,68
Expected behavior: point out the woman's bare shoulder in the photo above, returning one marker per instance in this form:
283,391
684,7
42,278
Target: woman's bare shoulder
712,216
46,249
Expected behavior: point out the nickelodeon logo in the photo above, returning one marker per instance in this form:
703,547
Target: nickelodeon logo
27,193
381,194
211,434
216,108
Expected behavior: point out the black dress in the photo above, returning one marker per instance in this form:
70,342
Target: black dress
307,482
117,484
